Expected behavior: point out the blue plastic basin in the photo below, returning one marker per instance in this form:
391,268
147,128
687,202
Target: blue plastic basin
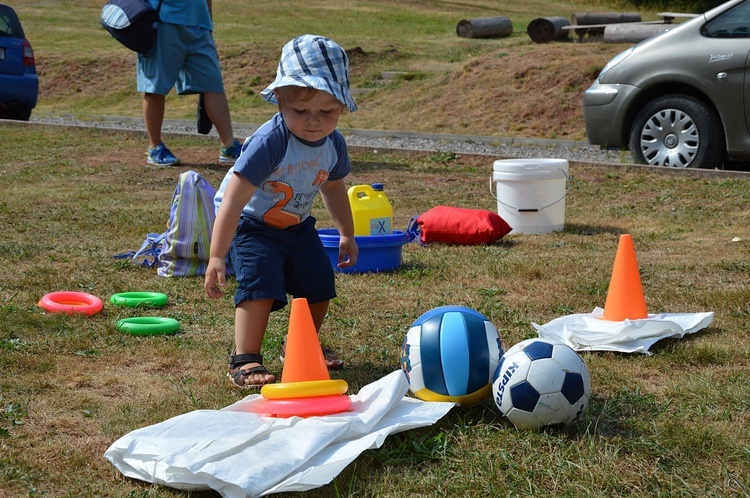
376,252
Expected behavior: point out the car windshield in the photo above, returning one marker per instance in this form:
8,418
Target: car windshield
734,23
9,23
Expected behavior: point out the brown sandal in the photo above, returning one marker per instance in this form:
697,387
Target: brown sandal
239,376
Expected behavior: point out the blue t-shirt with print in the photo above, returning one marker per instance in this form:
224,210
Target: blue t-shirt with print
184,12
287,172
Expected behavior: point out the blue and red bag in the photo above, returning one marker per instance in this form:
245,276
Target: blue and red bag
455,225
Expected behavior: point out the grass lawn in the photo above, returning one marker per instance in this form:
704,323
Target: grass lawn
509,87
671,424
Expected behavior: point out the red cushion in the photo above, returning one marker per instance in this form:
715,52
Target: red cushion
454,225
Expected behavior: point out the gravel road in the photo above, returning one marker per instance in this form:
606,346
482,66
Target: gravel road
467,144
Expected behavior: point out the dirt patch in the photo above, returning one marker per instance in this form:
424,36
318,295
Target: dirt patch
532,90
535,91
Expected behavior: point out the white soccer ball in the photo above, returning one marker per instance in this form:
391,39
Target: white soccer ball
540,382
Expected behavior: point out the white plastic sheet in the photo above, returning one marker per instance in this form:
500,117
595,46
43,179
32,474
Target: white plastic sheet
240,454
590,332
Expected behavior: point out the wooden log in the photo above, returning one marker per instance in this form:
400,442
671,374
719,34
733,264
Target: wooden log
597,30
484,27
633,33
591,31
547,29
605,18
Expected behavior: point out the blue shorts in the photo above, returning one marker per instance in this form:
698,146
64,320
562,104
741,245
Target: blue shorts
270,263
185,57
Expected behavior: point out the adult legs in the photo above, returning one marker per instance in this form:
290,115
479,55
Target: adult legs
217,109
153,116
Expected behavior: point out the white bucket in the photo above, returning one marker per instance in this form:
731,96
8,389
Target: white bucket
531,193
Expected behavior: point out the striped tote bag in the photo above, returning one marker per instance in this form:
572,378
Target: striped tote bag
185,246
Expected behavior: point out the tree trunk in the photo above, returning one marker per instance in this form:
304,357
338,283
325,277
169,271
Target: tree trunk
605,18
484,27
633,33
547,29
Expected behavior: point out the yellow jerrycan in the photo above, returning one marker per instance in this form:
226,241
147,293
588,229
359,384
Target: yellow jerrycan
371,210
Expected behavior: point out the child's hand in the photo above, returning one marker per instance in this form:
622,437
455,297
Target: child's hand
215,278
348,252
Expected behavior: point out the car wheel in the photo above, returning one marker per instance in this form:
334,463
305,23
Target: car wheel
678,131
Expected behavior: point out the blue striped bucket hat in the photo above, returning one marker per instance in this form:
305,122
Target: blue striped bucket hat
314,62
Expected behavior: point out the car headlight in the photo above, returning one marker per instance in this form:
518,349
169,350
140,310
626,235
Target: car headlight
600,95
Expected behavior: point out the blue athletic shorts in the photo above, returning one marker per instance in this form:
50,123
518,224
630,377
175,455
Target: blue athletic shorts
185,58
270,263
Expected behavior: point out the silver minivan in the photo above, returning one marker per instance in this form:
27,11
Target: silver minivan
681,98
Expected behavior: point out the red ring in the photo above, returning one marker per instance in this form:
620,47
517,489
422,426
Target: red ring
71,302
307,407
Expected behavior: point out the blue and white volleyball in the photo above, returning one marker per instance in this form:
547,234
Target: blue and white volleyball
450,353
539,383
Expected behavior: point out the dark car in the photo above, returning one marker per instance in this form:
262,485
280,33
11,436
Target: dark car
19,85
679,99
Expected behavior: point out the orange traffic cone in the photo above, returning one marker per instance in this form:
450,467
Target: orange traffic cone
625,295
303,359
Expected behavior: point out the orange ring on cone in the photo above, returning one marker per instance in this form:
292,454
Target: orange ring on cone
71,302
304,389
307,407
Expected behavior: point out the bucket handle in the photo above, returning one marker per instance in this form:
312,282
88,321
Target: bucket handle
567,190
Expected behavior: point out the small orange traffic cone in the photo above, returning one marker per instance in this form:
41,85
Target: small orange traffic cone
625,298
303,359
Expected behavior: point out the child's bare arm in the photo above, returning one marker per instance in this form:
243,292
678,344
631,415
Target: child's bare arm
336,202
237,194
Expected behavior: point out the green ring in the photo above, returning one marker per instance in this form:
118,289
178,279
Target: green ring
148,325
133,299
